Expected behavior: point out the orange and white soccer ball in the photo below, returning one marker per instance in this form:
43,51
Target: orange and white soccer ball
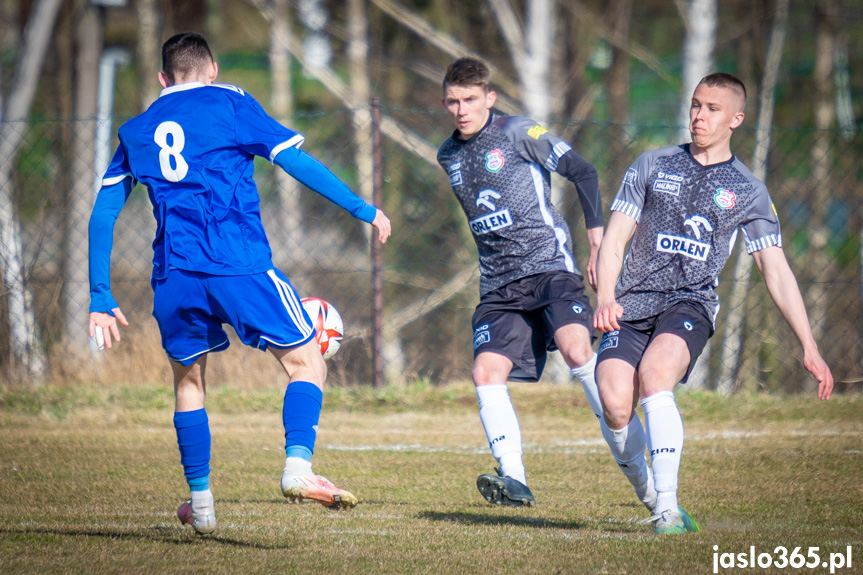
329,328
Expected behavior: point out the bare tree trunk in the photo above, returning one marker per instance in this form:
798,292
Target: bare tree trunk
700,21
313,16
148,50
76,293
701,24
618,88
743,266
820,184
290,232
26,346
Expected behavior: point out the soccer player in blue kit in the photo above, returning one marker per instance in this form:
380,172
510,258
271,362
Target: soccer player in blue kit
532,294
682,207
193,149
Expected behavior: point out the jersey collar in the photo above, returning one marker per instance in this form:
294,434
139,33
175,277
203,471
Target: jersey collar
181,88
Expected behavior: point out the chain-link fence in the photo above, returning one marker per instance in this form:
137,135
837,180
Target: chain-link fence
430,271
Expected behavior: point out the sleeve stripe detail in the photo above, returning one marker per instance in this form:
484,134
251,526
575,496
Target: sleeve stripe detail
625,207
296,141
116,179
557,152
763,242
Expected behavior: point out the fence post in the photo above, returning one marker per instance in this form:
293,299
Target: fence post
377,251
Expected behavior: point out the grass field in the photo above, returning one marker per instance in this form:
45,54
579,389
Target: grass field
90,481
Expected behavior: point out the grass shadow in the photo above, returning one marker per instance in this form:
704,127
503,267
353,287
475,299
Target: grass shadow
462,518
152,534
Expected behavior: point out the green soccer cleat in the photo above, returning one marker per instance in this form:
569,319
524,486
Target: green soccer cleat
669,522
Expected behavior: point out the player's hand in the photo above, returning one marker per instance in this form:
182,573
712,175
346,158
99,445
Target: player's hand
106,321
816,365
606,315
382,224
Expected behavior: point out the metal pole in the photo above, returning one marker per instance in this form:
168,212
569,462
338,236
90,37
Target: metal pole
377,251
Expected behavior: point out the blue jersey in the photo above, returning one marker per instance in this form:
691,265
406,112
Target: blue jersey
194,151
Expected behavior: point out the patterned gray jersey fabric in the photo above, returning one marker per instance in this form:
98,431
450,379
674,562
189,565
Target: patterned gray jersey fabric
688,216
502,178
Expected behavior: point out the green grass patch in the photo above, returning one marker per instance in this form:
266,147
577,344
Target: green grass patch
90,480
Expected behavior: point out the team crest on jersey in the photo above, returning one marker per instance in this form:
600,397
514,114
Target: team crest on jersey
629,177
494,161
724,198
667,183
481,335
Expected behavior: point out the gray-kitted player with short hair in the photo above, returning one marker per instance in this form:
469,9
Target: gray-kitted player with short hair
532,294
682,207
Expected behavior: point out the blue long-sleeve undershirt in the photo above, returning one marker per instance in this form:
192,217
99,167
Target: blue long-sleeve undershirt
315,176
109,202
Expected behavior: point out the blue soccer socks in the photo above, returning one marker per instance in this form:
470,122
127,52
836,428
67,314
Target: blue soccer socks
193,438
300,414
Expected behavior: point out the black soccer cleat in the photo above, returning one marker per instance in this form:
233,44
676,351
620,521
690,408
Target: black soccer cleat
500,490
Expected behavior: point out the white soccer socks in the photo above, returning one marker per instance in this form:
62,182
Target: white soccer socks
585,375
665,441
627,446
501,428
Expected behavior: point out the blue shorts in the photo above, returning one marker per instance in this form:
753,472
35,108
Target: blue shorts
264,310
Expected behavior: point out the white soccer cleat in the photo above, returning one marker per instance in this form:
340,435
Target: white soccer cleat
203,520
317,488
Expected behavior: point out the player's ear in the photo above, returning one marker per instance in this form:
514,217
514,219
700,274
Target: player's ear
163,80
737,120
213,72
490,99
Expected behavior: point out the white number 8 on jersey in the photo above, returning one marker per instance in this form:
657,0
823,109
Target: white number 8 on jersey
172,151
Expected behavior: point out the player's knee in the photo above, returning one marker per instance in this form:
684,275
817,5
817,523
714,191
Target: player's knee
617,411
656,379
577,354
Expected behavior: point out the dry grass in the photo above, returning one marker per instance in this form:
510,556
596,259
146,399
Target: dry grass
90,479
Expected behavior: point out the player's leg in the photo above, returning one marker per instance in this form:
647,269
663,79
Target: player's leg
621,426
663,365
616,375
193,439
574,343
679,336
568,319
498,417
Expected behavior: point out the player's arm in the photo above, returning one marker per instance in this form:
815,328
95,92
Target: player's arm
583,176
315,176
104,311
782,286
620,229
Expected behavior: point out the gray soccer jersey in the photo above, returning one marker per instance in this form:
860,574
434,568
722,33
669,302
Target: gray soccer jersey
688,216
502,178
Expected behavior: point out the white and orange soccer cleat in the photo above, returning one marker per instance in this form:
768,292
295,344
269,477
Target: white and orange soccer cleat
317,488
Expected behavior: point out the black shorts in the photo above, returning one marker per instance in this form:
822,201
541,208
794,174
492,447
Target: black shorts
519,320
687,320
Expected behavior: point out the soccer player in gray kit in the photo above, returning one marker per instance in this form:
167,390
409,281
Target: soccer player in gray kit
682,207
532,294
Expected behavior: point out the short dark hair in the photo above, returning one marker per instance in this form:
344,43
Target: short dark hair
468,71
724,80
184,54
